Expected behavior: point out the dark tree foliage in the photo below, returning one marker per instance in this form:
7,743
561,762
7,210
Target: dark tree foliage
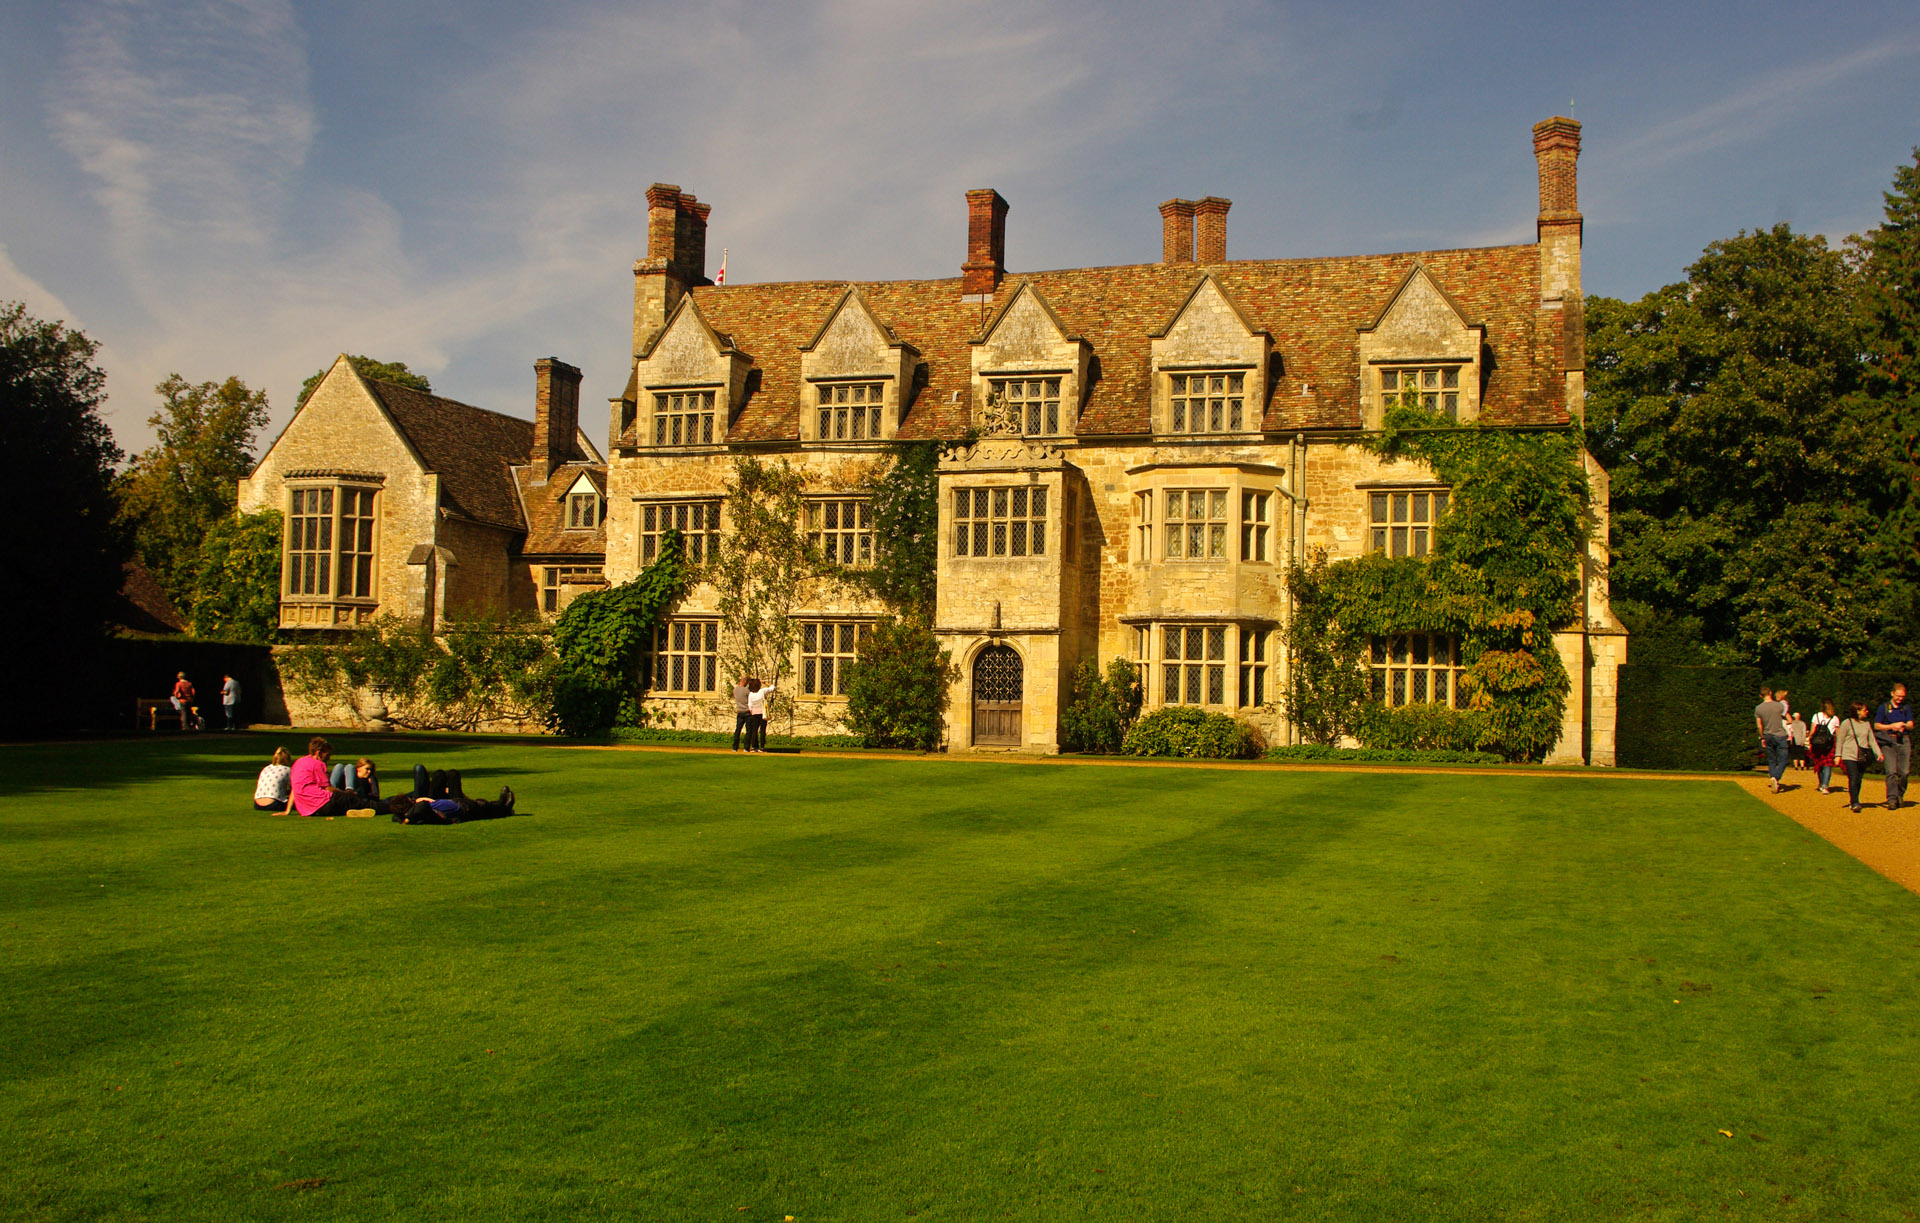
1102,709
62,549
1891,300
175,491
1751,478
899,685
906,524
236,580
395,372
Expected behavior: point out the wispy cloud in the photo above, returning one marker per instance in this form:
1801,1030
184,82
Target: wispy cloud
1750,113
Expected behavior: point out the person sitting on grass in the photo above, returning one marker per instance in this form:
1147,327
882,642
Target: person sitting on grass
312,794
274,788
439,799
361,777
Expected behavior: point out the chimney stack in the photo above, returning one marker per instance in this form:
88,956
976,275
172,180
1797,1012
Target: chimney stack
1210,228
556,415
986,243
1556,146
1176,231
676,257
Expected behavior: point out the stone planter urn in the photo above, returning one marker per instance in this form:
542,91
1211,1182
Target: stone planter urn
377,716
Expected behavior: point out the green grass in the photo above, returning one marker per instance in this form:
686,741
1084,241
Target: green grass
875,989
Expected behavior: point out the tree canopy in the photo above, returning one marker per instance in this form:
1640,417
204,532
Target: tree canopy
175,491
380,371
1753,479
1891,299
62,548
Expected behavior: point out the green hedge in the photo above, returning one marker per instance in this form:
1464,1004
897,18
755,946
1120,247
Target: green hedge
1378,755
1182,730
1702,717
100,687
718,738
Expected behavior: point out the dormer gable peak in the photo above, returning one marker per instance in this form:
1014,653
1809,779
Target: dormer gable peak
1026,298
1208,294
1419,292
685,316
853,309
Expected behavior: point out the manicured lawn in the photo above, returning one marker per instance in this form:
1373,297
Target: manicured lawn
880,989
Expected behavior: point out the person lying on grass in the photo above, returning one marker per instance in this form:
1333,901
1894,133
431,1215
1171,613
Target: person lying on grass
312,795
439,799
362,777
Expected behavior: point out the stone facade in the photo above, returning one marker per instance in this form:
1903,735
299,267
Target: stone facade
406,504
1152,445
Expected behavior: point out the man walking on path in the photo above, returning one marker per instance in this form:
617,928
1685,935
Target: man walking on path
742,717
1770,716
1893,731
230,700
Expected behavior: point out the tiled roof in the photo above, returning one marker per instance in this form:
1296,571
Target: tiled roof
143,607
1313,308
470,448
546,510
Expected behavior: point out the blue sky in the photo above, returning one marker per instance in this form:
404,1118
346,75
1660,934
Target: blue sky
247,187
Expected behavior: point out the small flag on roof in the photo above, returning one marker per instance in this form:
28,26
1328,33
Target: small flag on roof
722,277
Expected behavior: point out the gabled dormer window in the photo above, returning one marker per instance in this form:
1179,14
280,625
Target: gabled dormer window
1208,402
684,418
1034,403
583,511
850,411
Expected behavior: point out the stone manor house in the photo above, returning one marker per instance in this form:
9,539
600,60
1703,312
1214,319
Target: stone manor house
1156,444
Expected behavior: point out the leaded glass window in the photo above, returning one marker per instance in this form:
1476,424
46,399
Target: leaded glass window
684,418
1034,402
1000,521
1193,667
686,656
1435,388
849,411
1417,669
697,521
841,530
1208,403
827,649
1403,523
1195,520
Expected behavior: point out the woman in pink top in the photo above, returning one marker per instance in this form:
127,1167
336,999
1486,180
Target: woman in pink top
312,796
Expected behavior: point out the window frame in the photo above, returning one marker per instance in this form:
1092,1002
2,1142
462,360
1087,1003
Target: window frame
1421,533
1026,531
848,546
1212,528
1045,414
707,414
663,654
701,542
553,577
1240,387
850,421
846,633
1446,392
347,541
592,501
1397,658
1244,663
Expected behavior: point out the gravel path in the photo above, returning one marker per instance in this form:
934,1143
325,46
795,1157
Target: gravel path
1887,841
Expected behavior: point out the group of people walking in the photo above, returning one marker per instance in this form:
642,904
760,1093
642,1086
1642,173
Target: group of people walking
750,712
313,786
1863,736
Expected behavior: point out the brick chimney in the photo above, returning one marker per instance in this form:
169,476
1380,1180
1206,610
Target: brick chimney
986,243
676,257
556,415
1556,146
1176,231
1210,228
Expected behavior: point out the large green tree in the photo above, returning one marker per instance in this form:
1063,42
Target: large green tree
1891,300
1751,476
236,580
175,491
380,371
62,549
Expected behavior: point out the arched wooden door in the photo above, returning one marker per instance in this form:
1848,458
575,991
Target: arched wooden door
997,684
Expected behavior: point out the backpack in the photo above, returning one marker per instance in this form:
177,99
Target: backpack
1822,741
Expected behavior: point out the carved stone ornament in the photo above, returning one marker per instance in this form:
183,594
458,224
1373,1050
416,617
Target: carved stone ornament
1000,420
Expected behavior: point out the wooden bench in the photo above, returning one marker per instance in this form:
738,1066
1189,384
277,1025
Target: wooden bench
148,713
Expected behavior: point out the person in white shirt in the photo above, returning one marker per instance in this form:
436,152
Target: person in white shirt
274,790
757,698
1829,721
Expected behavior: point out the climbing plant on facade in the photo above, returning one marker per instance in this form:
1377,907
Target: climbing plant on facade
1504,573
602,640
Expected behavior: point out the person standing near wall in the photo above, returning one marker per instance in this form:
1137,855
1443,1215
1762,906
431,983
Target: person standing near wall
1893,730
742,716
757,708
182,699
1770,717
230,700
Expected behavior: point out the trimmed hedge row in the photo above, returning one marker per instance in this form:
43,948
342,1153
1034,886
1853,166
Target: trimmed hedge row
1702,717
97,689
1320,752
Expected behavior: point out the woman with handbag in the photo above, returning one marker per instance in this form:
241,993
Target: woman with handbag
1856,748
